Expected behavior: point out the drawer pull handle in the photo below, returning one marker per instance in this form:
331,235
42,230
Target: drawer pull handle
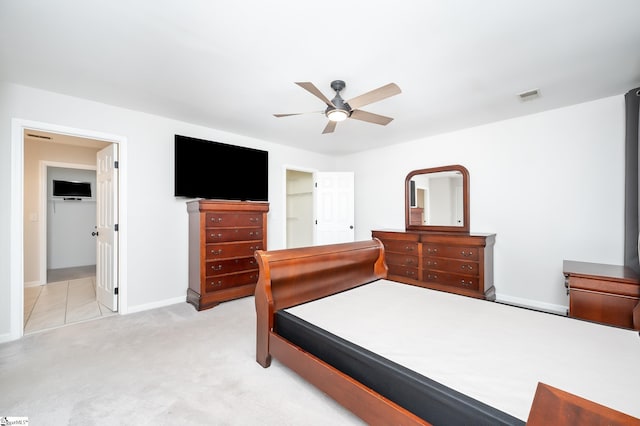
466,253
216,284
216,219
432,277
216,267
216,252
409,261
216,235
467,267
465,283
430,250
408,248
253,219
430,263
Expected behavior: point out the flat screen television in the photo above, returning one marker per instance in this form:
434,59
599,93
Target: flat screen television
219,171
65,188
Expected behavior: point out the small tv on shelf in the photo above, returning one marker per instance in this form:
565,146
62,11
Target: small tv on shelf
219,171
65,188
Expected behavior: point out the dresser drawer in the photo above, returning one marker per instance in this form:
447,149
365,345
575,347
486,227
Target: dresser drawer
231,280
401,259
219,267
403,271
399,246
217,219
453,280
451,265
229,250
220,235
453,252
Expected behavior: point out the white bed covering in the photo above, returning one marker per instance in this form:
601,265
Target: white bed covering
494,353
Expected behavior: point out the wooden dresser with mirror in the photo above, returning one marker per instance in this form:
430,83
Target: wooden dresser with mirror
436,249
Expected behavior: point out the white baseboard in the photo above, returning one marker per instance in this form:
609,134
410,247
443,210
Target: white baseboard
154,305
8,337
533,304
33,284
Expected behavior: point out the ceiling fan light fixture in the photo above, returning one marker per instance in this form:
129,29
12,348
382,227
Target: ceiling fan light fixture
337,115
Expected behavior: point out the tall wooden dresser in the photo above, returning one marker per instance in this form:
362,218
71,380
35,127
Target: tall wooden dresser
458,263
223,236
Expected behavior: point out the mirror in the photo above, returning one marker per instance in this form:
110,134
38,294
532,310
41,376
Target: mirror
437,199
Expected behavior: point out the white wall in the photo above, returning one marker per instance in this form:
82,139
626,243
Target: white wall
157,221
550,185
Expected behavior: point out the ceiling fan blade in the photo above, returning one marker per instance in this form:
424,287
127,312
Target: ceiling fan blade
374,96
370,117
287,115
330,127
309,87
298,113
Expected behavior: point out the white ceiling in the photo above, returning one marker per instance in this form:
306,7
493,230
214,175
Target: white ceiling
230,65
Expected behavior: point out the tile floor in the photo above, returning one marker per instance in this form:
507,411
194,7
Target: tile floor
58,303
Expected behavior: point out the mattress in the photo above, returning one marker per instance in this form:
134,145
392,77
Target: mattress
490,352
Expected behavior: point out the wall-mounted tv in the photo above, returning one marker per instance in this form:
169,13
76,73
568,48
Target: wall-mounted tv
65,188
215,170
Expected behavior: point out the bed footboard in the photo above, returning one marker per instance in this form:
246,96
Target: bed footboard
294,276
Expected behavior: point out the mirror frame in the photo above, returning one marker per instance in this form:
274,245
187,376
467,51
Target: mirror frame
465,200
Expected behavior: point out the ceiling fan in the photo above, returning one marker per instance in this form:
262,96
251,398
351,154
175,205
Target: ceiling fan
338,109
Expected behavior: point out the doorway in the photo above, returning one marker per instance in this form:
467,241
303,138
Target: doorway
23,213
65,285
319,207
64,236
299,216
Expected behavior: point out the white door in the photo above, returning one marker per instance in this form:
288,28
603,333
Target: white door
333,207
106,227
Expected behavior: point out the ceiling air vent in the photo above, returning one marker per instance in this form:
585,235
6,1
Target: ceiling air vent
529,95
39,136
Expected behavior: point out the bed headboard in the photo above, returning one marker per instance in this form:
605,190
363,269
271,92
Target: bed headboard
294,276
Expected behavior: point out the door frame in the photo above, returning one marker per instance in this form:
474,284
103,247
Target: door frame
44,210
16,220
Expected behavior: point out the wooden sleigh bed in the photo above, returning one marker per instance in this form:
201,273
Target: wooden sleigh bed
377,390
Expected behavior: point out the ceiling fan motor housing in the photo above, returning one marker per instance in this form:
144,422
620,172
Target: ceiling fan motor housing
338,85
337,101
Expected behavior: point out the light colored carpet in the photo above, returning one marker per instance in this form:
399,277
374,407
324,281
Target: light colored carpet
167,366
